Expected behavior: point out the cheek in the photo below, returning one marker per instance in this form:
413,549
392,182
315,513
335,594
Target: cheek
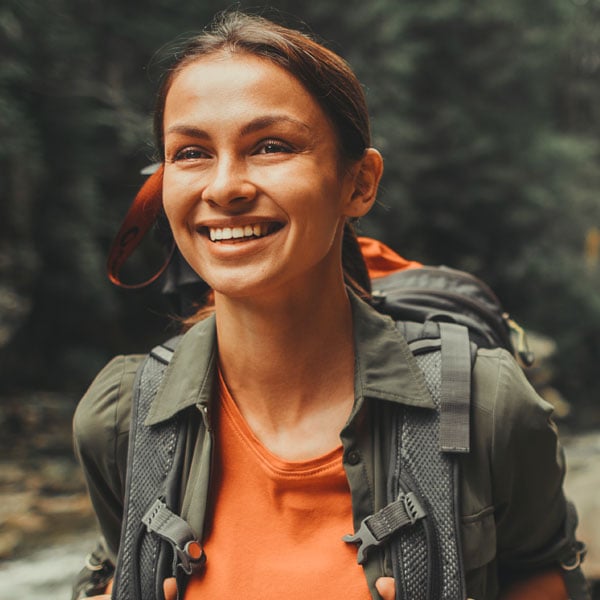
178,217
169,204
176,202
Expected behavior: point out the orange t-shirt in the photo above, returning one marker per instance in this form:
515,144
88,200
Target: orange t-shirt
278,525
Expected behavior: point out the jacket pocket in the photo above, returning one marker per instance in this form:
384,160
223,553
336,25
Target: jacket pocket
478,533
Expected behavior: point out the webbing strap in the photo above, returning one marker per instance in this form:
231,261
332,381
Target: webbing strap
141,216
374,530
170,527
456,388
163,354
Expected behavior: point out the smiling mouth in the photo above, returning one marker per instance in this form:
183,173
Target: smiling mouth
246,232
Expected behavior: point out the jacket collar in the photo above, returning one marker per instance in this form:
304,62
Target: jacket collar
190,376
384,369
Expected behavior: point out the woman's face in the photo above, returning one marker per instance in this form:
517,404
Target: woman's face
253,187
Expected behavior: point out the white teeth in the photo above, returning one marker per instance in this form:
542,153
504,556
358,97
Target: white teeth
228,233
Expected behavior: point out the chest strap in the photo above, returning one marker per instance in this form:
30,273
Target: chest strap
377,528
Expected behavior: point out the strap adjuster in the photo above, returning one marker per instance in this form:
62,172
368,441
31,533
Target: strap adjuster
580,550
189,554
413,508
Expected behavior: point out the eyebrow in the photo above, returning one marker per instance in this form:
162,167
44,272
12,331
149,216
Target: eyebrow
268,120
253,126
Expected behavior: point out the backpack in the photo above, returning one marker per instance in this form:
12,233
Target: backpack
445,315
157,542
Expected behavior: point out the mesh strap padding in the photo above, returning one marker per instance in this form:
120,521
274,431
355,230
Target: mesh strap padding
151,451
426,556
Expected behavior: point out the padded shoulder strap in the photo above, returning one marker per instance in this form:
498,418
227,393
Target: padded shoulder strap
426,558
421,523
151,455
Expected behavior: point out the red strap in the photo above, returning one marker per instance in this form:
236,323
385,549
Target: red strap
381,260
147,206
140,217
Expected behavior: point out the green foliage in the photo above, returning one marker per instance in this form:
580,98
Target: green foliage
487,114
493,177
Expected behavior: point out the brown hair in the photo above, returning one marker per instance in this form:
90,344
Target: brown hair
325,75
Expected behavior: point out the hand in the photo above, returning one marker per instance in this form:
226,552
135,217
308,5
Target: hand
386,588
169,588
547,585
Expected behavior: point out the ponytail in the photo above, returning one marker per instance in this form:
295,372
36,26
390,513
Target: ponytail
356,274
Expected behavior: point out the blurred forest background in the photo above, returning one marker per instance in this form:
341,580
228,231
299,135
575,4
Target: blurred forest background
487,113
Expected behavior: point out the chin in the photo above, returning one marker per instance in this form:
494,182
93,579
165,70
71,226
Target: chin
236,287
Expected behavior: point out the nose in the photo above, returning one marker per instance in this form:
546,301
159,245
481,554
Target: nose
228,185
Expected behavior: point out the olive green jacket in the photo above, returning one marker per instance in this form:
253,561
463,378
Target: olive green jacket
512,505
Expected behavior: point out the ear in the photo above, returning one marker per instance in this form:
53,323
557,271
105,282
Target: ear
367,174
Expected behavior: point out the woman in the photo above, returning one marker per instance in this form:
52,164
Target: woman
266,158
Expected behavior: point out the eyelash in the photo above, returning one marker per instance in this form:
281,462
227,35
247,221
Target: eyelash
275,143
186,153
276,146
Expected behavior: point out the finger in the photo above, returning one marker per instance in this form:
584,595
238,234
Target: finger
170,588
107,594
386,588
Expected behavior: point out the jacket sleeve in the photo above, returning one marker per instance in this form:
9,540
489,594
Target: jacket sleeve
101,431
527,465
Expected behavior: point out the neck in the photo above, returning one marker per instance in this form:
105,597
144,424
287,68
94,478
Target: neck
289,363
278,340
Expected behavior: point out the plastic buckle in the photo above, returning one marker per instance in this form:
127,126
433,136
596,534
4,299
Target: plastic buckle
191,557
412,506
365,538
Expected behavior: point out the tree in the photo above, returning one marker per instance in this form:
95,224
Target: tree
486,112
487,173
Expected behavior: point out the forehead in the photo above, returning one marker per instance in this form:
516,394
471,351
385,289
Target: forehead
224,84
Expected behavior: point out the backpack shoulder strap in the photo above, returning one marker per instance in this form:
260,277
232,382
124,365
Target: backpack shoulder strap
152,453
421,522
427,560
457,358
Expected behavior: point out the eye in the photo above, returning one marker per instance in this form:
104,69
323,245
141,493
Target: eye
272,146
190,153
